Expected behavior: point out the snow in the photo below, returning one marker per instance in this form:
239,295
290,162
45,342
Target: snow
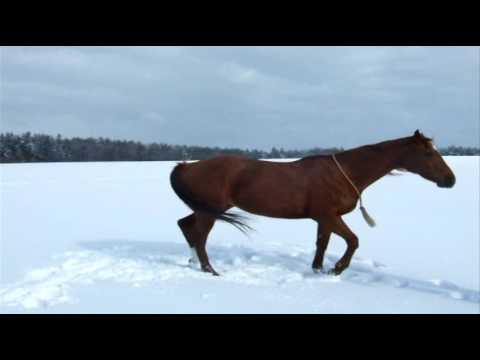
102,238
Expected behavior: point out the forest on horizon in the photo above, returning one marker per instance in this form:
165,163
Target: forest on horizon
29,147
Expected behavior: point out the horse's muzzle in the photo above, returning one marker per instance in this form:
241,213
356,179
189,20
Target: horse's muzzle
447,182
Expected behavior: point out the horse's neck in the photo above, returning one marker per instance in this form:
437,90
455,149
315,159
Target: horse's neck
367,164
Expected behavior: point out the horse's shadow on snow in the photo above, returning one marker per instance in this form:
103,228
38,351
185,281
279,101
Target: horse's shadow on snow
361,272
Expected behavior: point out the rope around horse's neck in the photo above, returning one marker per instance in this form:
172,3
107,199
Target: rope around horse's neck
367,217
348,179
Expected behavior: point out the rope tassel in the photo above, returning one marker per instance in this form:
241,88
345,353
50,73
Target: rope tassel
367,217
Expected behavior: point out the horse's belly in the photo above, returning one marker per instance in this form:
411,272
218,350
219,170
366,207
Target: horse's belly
280,203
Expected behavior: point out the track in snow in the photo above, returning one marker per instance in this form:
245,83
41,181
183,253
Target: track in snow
138,264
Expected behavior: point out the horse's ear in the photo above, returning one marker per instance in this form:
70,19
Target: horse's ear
418,137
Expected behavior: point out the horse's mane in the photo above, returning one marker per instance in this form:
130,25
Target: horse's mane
313,157
378,147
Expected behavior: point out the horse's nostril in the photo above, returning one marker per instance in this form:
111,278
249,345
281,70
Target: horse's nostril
450,181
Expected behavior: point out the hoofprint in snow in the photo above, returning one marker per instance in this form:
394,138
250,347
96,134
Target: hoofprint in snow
102,237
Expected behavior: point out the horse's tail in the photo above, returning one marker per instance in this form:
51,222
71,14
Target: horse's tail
194,203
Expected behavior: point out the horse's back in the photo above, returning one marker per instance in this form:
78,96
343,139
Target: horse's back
216,168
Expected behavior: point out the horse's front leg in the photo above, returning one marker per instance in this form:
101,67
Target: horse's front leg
341,229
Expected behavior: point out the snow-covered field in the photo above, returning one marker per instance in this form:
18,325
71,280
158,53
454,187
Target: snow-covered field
102,238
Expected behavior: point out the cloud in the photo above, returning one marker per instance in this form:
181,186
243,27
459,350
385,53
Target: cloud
294,97
238,74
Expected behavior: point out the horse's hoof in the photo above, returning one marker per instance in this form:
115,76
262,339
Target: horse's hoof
211,271
317,270
335,271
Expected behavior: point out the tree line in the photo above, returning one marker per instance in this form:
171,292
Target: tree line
29,147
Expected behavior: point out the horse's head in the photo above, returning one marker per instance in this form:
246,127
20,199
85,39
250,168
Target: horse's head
422,158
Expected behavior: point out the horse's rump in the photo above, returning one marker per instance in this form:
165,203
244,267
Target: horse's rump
204,195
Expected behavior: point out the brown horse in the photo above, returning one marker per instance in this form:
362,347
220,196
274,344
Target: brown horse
322,188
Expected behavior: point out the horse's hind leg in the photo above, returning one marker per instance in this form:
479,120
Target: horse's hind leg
203,225
196,228
323,237
187,225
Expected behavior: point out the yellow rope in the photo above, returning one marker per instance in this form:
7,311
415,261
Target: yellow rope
348,179
367,217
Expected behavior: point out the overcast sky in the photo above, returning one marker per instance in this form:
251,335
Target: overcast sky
291,97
